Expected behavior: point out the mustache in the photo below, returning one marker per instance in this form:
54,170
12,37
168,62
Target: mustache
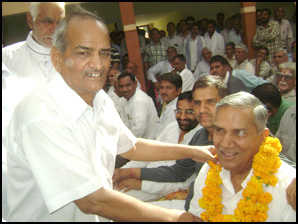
101,71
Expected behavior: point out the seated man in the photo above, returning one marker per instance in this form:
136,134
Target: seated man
186,75
286,80
230,54
241,55
180,131
269,95
140,109
203,67
262,67
251,179
170,88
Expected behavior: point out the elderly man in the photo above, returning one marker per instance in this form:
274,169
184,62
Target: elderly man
214,40
286,80
172,39
286,34
279,56
241,55
219,66
247,175
179,131
193,46
203,67
170,88
179,62
268,34
64,137
31,58
262,67
162,67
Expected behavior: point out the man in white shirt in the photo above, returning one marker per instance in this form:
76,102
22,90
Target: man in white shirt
241,55
286,34
214,40
230,54
179,131
225,32
193,46
31,58
139,108
203,67
64,137
162,67
239,131
286,80
262,67
179,62
172,39
236,33
170,88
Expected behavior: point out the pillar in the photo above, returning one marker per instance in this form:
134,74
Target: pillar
248,17
132,40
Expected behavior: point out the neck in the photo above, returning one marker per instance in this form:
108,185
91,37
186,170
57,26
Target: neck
88,99
182,133
171,35
210,131
193,37
237,177
230,56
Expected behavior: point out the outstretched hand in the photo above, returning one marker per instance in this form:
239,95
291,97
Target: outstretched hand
205,153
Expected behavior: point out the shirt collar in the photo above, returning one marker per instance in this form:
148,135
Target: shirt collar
227,77
36,47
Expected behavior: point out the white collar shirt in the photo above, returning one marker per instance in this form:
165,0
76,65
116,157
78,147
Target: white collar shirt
159,69
141,114
202,69
187,80
60,150
286,34
176,41
264,67
232,61
279,209
29,59
247,66
226,79
215,43
234,37
291,95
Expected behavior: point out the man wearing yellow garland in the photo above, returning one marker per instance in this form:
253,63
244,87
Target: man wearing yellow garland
250,183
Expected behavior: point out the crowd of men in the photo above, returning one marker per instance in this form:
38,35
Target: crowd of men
77,128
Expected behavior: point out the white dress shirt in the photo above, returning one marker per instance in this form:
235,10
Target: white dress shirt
264,67
291,95
232,61
142,115
215,43
60,150
176,41
29,59
225,34
279,209
187,80
202,69
247,66
234,37
152,190
167,116
286,34
160,68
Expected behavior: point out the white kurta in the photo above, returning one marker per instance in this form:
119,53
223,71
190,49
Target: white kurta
60,150
247,66
29,59
159,69
176,41
202,69
142,115
264,67
279,209
215,43
187,80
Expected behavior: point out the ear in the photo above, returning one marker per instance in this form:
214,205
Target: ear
265,133
56,57
30,20
179,91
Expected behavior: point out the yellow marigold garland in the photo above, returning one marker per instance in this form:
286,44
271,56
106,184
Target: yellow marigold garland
254,204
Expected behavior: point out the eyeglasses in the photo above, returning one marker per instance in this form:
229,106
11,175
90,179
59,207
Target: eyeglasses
280,75
187,112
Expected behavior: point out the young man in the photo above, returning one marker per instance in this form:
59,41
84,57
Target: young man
239,131
214,40
262,67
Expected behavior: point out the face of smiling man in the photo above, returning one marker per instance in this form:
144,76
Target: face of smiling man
86,60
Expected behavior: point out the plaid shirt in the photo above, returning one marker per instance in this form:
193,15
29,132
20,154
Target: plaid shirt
155,53
268,37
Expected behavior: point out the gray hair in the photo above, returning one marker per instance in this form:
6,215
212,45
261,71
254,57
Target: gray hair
242,46
59,37
283,50
206,48
288,65
247,101
34,7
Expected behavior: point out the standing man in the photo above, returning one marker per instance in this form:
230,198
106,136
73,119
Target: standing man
140,109
155,51
172,39
31,58
64,137
241,55
186,75
228,27
286,34
236,34
268,34
214,40
170,88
